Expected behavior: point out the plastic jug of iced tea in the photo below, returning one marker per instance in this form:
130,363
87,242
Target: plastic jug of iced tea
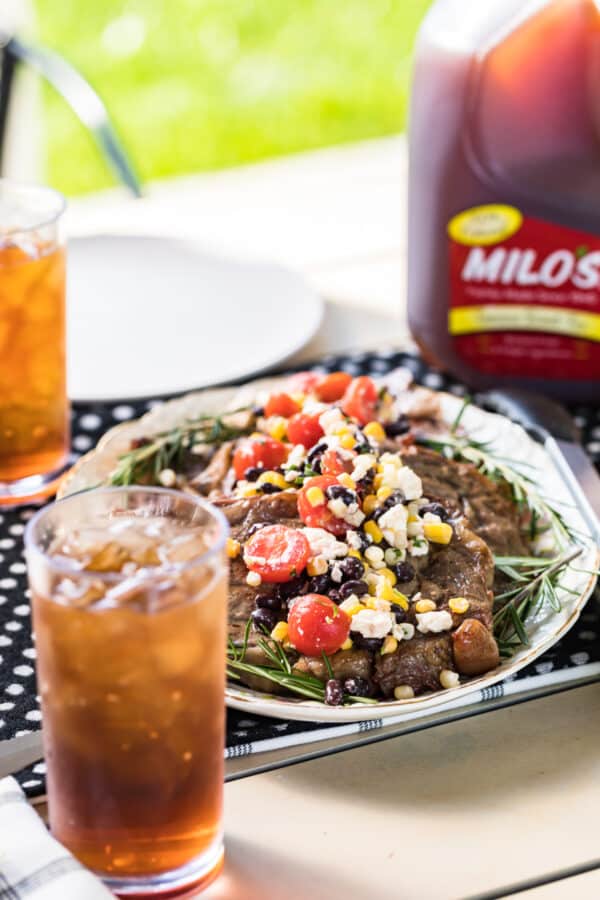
504,197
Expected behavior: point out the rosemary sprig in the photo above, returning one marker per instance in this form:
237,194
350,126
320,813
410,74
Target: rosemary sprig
144,463
279,670
534,585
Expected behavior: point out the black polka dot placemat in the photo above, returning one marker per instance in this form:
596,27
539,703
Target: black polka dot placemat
246,733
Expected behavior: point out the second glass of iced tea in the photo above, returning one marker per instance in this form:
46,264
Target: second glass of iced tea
34,414
129,609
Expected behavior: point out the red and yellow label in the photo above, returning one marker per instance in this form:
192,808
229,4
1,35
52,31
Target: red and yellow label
524,295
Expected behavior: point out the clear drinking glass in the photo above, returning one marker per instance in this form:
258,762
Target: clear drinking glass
129,609
34,414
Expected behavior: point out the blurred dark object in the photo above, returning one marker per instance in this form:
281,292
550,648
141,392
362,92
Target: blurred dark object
80,96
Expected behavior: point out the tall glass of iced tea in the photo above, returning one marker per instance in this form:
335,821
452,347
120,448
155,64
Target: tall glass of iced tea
129,610
34,432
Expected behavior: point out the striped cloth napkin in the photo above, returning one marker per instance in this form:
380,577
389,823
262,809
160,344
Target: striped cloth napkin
34,865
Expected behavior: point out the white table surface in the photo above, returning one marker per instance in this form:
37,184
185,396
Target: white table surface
505,801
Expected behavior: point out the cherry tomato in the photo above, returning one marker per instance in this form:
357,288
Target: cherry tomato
316,625
277,553
333,464
332,387
303,382
304,428
360,399
262,452
281,405
319,516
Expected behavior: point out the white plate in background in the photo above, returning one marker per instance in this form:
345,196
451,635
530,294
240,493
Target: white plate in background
150,315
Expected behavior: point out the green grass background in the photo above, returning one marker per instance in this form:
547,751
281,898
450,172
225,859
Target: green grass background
202,84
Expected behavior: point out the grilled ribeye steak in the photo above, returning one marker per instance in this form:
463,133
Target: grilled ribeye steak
462,568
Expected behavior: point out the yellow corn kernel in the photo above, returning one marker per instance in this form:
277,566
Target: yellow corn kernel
249,491
348,482
356,608
257,435
232,548
273,478
388,575
377,482
413,519
315,496
438,533
347,441
369,504
400,599
347,645
280,632
317,566
458,605
373,529
385,591
278,428
341,430
389,645
383,493
449,679
375,431
403,692
355,554
298,398
423,606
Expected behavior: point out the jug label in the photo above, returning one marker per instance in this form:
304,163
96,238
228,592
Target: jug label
524,294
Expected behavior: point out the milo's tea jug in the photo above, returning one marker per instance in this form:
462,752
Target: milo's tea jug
504,199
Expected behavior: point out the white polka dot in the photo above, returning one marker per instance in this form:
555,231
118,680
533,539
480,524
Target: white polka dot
90,421
16,529
8,583
7,543
82,442
580,659
22,610
14,689
5,707
1,658
23,671
23,731
13,626
40,769
27,593
34,716
18,568
73,457
29,653
33,782
1,557
544,667
2,723
123,412
587,635
2,599
153,404
5,641
593,446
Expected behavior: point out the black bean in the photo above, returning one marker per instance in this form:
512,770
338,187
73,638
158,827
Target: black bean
394,499
363,643
253,472
367,480
268,488
267,601
357,687
339,492
334,693
264,619
319,584
436,509
291,588
400,426
255,527
258,410
363,448
334,595
399,615
352,568
317,450
404,571
358,588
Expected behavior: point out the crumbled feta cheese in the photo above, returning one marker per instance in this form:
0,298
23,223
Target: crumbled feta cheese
353,540
349,603
393,525
253,579
296,457
331,419
434,622
362,464
409,483
378,603
418,547
431,517
372,623
291,475
324,544
415,529
336,573
318,565
404,631
352,514
312,406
